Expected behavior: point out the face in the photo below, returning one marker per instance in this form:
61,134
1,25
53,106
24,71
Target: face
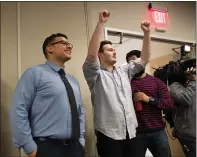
108,56
60,49
133,57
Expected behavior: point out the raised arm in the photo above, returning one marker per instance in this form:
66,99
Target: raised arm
96,37
146,50
135,66
91,66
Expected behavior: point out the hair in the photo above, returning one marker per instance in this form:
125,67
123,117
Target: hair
102,43
137,53
50,39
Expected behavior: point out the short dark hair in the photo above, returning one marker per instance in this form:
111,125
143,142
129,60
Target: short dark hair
50,39
102,43
137,53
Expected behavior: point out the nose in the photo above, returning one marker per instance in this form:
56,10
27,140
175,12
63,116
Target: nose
114,50
70,47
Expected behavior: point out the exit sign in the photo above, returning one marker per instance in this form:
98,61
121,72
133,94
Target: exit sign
159,18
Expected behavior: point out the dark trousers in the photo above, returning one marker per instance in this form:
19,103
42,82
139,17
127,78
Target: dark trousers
156,142
55,148
108,147
189,147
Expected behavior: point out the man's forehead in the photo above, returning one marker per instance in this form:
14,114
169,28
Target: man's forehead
108,46
60,38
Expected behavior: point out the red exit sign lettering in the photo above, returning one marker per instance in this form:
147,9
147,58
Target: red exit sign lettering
159,18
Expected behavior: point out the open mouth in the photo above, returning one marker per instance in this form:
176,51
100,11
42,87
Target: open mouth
68,51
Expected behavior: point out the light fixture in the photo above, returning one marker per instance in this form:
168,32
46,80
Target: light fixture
185,49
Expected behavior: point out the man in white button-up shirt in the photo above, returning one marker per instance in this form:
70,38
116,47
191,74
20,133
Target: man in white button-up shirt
114,116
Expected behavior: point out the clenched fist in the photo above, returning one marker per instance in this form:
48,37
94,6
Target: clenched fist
145,26
104,16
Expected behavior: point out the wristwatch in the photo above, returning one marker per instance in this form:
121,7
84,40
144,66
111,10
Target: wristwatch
151,100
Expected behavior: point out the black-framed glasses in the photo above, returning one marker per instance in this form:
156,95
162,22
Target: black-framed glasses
65,43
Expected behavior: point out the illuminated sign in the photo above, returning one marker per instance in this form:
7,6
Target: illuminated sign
159,18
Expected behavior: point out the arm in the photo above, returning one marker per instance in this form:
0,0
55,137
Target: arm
136,66
96,37
163,101
91,66
183,95
145,55
22,99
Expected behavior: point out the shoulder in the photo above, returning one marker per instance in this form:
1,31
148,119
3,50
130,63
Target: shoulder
32,72
159,82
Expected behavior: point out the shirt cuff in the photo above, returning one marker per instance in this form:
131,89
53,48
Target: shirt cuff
29,147
82,141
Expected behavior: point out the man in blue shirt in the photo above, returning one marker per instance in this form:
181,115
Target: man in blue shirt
47,116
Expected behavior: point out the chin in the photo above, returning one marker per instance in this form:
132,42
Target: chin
114,62
67,58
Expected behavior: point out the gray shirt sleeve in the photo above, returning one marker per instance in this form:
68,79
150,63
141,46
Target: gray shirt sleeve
181,94
132,68
91,72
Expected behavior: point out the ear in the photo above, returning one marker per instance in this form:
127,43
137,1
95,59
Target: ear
100,55
49,49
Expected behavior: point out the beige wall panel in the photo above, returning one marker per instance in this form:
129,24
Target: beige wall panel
8,72
128,15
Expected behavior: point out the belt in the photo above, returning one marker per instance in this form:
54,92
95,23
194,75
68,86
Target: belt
57,141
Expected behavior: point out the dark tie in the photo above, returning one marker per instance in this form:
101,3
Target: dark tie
73,106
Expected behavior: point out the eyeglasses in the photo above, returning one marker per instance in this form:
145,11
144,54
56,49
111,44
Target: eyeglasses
65,43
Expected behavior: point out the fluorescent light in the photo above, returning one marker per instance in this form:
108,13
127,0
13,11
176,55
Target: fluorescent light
187,48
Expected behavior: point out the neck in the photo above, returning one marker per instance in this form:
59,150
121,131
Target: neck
110,68
142,76
59,63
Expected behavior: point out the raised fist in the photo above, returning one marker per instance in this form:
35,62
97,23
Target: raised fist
104,16
145,26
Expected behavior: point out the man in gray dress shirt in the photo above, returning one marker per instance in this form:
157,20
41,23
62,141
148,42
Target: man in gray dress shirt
114,116
41,112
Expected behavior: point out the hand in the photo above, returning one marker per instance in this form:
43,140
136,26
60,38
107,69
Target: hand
104,16
190,73
140,96
145,26
33,154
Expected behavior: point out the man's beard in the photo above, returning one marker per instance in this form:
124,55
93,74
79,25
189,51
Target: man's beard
139,73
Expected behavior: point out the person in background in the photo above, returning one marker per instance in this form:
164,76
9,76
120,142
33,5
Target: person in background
150,97
47,116
114,116
185,117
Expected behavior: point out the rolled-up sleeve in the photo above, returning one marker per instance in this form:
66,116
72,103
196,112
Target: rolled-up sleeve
132,68
91,72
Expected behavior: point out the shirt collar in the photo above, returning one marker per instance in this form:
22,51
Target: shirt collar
54,66
104,68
